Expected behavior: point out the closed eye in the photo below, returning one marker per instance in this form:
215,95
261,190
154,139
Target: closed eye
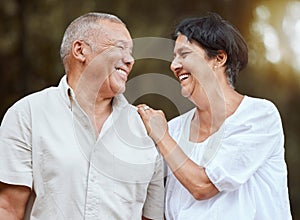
124,47
120,47
184,54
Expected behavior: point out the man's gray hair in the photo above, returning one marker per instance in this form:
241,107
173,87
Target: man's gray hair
84,28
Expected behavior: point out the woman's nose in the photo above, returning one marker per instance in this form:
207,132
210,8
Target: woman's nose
175,65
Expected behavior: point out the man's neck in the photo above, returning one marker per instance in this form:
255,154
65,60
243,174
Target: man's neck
97,109
102,109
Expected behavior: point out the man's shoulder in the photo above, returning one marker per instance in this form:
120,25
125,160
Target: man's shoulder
35,97
132,114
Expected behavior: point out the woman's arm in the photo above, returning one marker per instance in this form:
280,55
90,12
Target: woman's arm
191,176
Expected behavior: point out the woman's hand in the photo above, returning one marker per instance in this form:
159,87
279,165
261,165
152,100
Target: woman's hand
154,121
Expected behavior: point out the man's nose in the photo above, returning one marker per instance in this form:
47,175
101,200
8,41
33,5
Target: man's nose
128,59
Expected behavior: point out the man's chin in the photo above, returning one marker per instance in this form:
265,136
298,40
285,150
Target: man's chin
120,90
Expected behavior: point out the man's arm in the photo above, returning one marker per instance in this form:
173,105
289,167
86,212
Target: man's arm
13,200
154,204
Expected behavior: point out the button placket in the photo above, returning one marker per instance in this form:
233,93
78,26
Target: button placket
93,197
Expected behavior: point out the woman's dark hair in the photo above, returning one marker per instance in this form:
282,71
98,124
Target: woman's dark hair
213,33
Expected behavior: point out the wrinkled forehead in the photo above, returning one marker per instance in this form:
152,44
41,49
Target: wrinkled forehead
115,33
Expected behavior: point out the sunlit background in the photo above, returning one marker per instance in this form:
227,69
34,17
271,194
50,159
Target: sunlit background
277,25
31,32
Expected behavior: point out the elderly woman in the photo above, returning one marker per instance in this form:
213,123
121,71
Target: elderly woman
226,156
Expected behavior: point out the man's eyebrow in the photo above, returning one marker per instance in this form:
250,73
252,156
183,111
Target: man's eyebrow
124,42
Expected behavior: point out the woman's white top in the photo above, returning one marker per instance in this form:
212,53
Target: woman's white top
244,159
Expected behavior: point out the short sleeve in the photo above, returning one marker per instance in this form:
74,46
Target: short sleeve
154,204
15,146
248,144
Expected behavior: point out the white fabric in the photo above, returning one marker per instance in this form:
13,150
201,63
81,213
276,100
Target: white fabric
47,143
248,168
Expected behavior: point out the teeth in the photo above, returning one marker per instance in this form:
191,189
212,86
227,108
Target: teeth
122,72
183,77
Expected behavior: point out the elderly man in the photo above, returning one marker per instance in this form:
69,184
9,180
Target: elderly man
79,150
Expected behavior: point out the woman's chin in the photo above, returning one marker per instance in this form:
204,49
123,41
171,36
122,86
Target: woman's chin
185,92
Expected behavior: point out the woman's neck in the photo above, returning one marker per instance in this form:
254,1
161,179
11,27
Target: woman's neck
210,115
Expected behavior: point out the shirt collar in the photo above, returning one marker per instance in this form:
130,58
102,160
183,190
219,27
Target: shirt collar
119,101
66,91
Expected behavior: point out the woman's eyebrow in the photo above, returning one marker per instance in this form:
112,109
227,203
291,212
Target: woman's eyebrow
180,49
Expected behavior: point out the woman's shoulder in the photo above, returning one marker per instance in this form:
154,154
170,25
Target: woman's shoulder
256,110
259,106
259,103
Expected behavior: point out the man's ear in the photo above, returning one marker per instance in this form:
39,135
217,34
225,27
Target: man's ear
221,58
79,51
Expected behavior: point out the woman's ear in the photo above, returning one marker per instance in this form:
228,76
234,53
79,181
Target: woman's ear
78,51
221,58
